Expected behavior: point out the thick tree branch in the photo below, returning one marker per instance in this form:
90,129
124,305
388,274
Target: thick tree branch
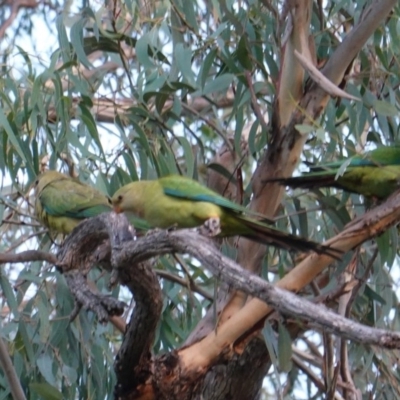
78,254
191,242
133,364
291,74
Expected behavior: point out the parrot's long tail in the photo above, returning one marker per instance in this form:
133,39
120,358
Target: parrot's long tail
308,181
268,235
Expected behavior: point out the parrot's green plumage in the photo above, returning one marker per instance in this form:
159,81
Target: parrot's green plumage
63,202
178,201
374,174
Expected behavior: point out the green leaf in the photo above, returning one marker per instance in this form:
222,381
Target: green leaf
188,154
153,88
90,123
205,68
190,14
224,172
243,54
304,128
183,58
45,366
46,391
252,137
373,295
12,137
385,108
342,168
77,42
142,52
302,218
92,44
44,320
284,349
130,163
271,343
383,242
27,59
63,39
219,84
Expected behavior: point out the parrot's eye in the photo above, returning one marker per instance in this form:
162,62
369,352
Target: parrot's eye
37,182
120,197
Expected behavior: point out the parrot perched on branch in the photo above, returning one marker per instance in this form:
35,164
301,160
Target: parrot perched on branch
374,174
182,202
63,202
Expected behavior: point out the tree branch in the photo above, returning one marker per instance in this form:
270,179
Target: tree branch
135,366
185,283
189,364
371,224
355,40
15,6
133,363
191,242
10,373
105,110
26,256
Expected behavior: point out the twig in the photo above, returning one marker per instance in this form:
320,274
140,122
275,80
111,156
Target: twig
328,365
314,360
19,223
312,376
25,238
344,309
119,323
210,123
27,256
254,103
10,373
15,6
319,78
183,282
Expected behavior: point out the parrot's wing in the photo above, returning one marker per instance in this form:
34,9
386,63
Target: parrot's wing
72,199
185,188
382,156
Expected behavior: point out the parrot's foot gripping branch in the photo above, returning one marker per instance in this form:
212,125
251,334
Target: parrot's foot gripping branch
211,227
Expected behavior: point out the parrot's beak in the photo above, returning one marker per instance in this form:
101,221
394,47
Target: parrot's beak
117,209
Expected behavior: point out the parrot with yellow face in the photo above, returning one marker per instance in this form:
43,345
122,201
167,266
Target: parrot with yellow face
62,202
182,202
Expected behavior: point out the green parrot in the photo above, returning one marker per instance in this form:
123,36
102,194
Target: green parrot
63,202
373,174
179,201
